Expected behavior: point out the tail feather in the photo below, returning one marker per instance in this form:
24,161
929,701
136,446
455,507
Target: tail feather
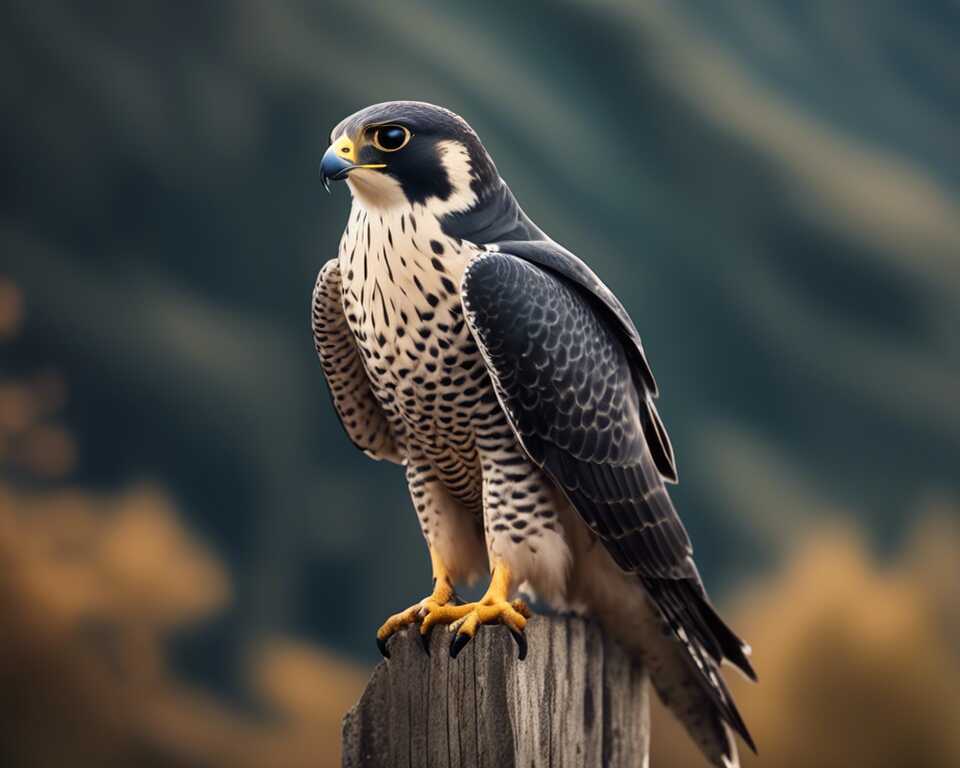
671,628
708,641
707,674
685,605
733,648
696,710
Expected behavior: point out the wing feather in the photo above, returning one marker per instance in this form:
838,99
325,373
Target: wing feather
558,260
363,420
581,405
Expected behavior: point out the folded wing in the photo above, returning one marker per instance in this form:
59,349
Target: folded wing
354,401
569,372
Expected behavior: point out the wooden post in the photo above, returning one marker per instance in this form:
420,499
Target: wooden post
577,700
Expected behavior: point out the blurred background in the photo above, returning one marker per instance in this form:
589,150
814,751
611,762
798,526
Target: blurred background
193,557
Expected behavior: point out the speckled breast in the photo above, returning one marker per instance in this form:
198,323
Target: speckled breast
401,296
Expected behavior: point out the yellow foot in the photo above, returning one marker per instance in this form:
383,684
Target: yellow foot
442,594
418,613
465,619
415,614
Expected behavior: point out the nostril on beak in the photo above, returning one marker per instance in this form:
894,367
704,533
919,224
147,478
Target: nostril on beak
334,165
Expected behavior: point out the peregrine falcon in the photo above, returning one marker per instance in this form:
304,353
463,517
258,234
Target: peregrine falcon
462,343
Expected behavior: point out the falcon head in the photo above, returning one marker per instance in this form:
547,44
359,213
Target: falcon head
402,153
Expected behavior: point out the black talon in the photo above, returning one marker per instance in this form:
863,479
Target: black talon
425,640
382,647
521,643
459,643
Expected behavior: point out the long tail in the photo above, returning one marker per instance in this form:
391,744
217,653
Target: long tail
687,610
707,642
682,644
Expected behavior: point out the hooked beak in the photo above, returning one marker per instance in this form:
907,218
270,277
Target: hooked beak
339,159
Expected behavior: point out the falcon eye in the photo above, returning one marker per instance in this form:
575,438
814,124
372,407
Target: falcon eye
390,138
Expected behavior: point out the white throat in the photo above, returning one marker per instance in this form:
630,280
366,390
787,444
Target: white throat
376,191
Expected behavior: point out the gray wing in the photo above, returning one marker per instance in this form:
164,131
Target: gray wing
566,373
558,260
354,401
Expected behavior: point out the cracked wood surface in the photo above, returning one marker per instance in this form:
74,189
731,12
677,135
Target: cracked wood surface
577,700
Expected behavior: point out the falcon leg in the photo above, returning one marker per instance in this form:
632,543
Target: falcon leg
493,608
421,611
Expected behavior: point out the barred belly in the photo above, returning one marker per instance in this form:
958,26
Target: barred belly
401,278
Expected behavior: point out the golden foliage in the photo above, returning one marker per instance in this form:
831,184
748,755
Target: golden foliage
92,587
858,663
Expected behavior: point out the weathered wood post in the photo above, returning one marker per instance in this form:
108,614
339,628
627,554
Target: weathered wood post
577,701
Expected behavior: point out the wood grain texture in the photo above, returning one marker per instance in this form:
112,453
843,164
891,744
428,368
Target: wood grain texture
577,700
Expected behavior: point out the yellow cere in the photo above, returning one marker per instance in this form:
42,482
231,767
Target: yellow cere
344,148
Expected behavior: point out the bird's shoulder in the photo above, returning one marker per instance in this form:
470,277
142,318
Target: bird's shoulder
554,258
512,288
